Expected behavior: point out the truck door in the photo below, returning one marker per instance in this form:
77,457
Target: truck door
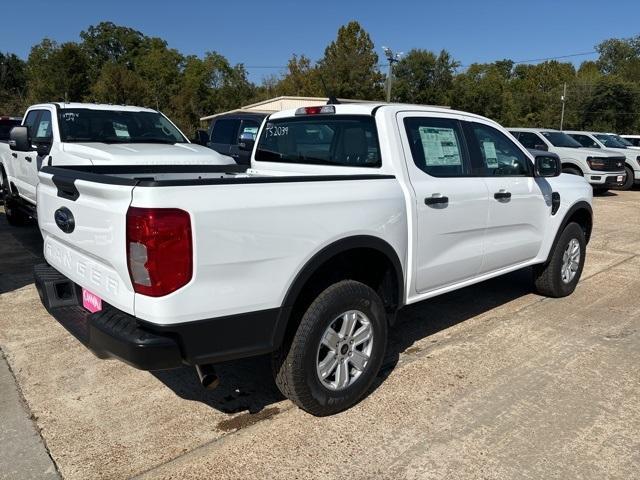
451,204
22,161
223,134
519,203
243,157
41,137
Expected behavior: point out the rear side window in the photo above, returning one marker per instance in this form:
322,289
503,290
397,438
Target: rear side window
225,131
343,140
436,146
530,140
584,140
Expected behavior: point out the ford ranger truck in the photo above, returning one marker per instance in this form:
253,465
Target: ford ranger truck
603,169
62,134
347,214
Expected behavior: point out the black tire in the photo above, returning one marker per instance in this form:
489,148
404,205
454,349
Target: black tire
548,277
295,364
629,181
15,216
572,171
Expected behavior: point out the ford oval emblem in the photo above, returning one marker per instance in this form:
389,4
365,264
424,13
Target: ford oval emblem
64,219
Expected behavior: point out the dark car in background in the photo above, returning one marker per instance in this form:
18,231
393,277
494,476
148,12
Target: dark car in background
232,134
6,124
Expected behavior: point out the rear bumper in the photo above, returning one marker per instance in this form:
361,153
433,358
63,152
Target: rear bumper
112,333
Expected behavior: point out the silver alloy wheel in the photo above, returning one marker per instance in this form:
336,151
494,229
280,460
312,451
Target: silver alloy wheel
570,261
344,350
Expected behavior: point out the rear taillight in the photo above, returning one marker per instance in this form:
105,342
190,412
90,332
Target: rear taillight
159,250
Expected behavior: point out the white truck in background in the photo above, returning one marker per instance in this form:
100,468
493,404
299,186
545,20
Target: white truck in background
348,213
603,169
609,141
64,134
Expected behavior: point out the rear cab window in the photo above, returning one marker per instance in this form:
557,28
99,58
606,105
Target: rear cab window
339,140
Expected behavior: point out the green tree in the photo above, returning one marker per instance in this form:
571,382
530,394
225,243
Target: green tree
422,77
349,67
613,106
119,85
160,68
57,72
301,79
13,78
620,57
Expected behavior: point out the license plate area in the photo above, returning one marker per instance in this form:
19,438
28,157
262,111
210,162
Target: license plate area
91,301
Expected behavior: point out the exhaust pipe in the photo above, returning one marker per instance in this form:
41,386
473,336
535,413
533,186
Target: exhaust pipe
207,376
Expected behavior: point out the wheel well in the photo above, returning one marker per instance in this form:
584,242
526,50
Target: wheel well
367,264
582,217
573,166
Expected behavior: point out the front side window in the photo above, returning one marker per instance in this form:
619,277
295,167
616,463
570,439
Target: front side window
115,126
42,130
560,139
341,140
436,146
584,140
499,156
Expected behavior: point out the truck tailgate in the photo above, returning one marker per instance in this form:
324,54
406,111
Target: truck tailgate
83,225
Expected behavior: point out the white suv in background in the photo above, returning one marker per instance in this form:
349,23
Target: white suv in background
603,169
597,140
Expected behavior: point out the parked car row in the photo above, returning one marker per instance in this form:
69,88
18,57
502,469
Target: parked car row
603,159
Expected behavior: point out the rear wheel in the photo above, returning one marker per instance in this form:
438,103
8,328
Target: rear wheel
336,352
15,216
560,275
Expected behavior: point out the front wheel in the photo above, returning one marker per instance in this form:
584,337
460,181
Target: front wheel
336,352
629,180
560,275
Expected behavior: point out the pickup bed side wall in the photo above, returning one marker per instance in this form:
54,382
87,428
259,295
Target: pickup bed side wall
252,240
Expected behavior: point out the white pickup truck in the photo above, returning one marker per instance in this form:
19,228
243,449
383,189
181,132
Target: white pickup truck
88,134
348,213
603,169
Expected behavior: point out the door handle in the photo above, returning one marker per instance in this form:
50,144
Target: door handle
436,199
14,155
502,195
28,159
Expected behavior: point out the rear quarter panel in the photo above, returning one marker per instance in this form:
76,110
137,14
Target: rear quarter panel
251,240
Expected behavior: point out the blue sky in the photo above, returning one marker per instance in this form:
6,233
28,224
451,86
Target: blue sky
268,32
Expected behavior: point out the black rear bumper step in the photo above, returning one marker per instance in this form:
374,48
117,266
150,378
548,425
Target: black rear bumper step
108,333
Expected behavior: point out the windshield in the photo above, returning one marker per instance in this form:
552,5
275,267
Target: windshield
621,140
342,140
560,139
113,126
609,141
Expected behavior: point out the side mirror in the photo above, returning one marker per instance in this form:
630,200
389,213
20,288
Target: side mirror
19,139
201,138
547,166
247,140
542,147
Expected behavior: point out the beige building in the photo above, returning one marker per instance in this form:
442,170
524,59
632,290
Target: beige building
282,103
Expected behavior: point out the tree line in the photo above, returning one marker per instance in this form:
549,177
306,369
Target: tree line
121,65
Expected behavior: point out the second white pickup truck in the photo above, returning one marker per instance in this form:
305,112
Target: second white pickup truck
348,213
88,134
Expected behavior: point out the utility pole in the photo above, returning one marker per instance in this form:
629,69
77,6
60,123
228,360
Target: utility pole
392,58
563,99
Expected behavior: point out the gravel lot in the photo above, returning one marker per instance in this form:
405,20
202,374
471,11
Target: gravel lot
491,381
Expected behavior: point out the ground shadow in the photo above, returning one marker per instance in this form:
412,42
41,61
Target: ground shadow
20,250
247,385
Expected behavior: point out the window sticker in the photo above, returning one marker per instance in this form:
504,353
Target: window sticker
440,146
43,128
490,155
251,130
121,130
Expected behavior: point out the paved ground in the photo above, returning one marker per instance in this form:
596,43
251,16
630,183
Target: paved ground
488,382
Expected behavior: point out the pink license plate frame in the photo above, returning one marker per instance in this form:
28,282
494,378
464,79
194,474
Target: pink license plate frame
91,301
